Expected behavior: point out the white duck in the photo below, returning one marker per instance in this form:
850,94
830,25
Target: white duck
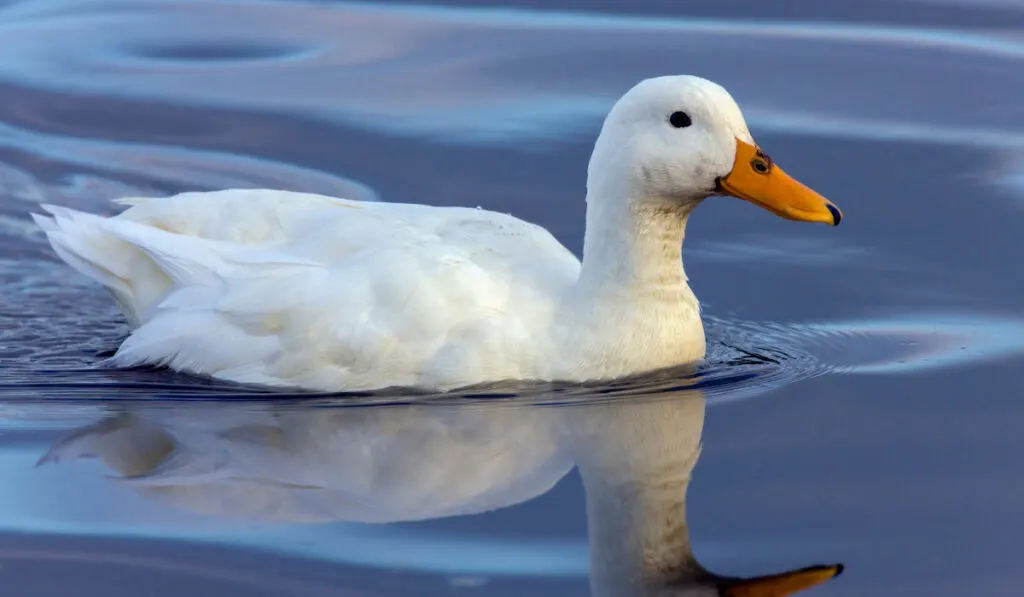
292,289
385,464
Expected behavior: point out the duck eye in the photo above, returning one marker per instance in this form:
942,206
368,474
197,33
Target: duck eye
680,120
761,163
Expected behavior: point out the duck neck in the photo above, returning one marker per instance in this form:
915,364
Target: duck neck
634,247
630,309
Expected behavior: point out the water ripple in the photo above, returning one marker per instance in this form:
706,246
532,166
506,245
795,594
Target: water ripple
99,168
205,52
51,336
497,75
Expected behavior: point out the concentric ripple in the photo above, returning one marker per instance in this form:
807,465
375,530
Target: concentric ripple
509,75
205,52
51,354
88,172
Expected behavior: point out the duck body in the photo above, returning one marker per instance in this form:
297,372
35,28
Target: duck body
298,290
289,289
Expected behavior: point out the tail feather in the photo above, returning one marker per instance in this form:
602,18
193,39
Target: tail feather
83,242
79,240
195,260
142,264
46,223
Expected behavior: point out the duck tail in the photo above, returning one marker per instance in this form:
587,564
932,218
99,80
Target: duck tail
83,242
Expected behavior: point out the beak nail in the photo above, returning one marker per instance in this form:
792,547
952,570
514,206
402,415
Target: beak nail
837,216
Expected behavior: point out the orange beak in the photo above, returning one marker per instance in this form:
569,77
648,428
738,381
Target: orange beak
755,178
780,585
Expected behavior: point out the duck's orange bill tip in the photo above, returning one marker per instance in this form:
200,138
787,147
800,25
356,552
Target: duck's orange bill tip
757,179
780,585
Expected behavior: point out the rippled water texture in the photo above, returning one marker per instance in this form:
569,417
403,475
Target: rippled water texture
863,381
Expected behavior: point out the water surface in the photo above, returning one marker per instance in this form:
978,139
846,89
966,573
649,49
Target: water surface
862,385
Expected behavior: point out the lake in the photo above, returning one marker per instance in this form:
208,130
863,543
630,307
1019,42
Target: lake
860,404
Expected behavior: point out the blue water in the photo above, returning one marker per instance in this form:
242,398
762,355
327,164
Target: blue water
862,387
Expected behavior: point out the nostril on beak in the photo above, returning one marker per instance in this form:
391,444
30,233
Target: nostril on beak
836,215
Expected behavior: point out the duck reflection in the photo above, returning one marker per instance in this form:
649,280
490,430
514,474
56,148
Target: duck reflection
414,462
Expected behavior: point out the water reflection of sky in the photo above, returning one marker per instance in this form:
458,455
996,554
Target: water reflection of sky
167,164
483,75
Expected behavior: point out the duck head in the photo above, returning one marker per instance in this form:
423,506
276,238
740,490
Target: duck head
680,139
